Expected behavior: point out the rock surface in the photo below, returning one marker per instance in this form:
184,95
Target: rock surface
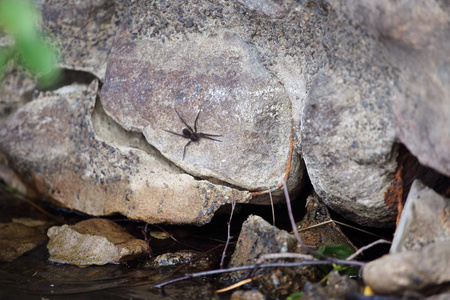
84,30
15,92
416,35
356,77
417,270
57,146
425,219
16,239
336,287
349,149
257,238
328,233
92,242
219,73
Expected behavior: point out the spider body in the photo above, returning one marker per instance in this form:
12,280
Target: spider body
192,134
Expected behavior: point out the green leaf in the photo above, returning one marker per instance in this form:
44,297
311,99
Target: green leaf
39,58
295,296
18,18
340,251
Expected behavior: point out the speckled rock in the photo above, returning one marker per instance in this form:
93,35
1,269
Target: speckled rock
404,272
336,287
218,73
258,237
416,38
15,91
425,219
57,146
84,31
329,233
352,139
247,295
356,77
92,242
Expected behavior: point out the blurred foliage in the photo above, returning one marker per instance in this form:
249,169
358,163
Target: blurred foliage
295,296
19,19
340,251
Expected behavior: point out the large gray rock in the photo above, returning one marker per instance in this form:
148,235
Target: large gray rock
337,69
416,36
347,144
218,73
58,147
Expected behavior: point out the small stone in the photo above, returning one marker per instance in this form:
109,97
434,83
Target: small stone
93,242
193,260
409,271
257,238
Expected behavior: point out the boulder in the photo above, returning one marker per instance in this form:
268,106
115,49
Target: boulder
57,147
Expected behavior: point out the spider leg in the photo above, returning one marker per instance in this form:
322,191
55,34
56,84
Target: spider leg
195,123
209,136
190,128
175,133
184,151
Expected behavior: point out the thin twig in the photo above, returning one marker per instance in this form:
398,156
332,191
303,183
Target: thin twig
271,265
361,250
268,256
233,205
340,223
31,202
273,209
147,240
237,284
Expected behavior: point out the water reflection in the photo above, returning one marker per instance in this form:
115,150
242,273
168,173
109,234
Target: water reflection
32,277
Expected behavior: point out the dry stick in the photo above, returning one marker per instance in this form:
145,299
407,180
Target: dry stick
268,256
243,268
340,223
360,250
237,284
286,194
147,240
233,204
273,209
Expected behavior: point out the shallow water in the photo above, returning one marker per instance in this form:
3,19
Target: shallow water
32,277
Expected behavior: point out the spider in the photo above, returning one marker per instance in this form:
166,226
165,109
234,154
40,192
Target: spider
192,135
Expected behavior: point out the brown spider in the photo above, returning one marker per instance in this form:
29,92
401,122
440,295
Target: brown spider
192,134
